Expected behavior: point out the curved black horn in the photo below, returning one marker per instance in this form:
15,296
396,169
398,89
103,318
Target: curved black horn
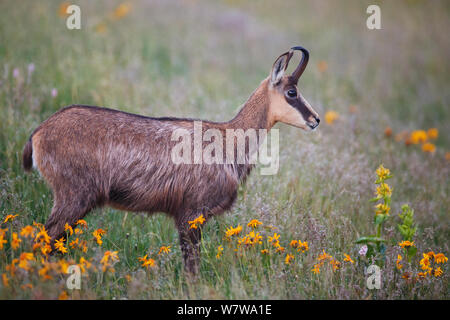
302,65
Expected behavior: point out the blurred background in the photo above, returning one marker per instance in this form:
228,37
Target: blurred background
374,89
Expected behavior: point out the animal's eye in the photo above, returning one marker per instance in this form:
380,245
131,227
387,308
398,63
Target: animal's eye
292,93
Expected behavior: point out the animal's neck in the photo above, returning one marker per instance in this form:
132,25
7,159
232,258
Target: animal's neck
255,112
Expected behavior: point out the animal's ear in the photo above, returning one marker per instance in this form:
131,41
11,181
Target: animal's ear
279,67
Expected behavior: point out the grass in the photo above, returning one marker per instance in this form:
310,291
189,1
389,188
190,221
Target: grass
202,60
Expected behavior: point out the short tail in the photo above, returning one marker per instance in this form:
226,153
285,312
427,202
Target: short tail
27,156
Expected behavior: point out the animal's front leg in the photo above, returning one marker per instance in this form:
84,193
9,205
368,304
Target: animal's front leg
190,247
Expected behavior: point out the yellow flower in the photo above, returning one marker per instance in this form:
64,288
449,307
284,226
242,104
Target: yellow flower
101,28
197,221
98,235
74,243
382,208
280,249
425,262
382,172
164,249
63,296
331,116
250,239
274,238
59,244
42,236
440,258
438,272
27,231
147,262
254,223
288,259
68,228
5,280
406,275
322,66
63,9
302,246
422,275
23,260
82,223
2,240
84,264
109,257
122,10
265,251
335,264
233,231
10,217
418,136
63,266
348,259
43,272
406,244
388,132
219,252
316,269
324,256
294,243
447,156
428,147
15,243
383,190
433,133
398,262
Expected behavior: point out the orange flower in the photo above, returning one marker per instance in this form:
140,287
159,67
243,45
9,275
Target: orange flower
59,244
388,132
331,116
27,231
302,246
197,221
15,243
98,235
348,259
68,228
42,235
232,231
322,66
63,296
122,10
82,223
433,133
406,244
164,249
63,9
254,223
398,262
10,217
428,147
316,269
288,259
147,262
418,136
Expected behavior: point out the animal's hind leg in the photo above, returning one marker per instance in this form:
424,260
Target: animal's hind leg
68,208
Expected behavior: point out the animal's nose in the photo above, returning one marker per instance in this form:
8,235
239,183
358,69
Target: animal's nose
317,119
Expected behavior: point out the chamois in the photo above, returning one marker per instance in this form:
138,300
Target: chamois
94,156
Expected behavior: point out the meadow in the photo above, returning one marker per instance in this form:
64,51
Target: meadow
383,98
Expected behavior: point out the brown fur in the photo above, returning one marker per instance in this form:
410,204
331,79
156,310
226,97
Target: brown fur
92,156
